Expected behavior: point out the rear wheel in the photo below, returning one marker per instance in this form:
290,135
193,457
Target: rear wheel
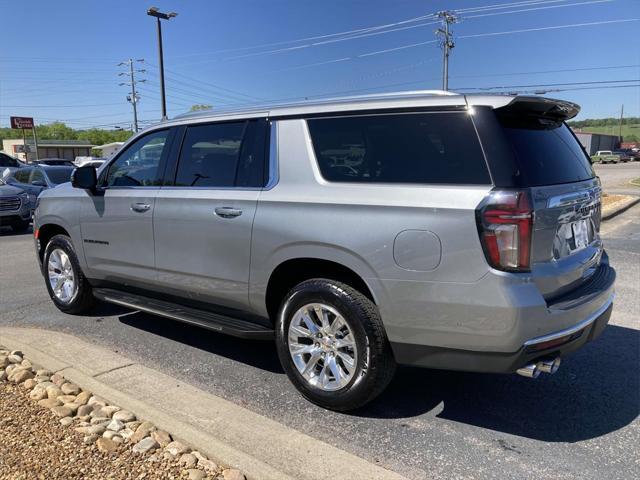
66,284
332,345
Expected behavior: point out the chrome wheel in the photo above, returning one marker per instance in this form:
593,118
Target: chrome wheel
322,346
61,277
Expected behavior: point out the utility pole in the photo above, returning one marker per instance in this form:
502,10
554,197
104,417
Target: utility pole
154,12
620,127
447,43
133,96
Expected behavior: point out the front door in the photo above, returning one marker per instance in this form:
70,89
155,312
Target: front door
117,222
203,222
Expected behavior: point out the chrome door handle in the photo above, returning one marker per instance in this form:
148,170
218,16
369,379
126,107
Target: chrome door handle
140,207
228,212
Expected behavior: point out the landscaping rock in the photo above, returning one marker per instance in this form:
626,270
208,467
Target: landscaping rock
71,406
44,372
100,421
203,462
142,431
62,411
22,375
70,389
53,391
232,474
90,439
145,445
96,429
66,421
3,375
188,460
57,379
115,425
176,448
29,384
83,398
49,403
195,474
124,416
4,362
15,357
106,445
162,437
84,410
67,398
38,393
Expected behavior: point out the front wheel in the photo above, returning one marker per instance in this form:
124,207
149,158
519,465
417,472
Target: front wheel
332,345
66,284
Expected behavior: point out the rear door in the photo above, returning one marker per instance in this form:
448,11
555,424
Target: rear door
203,219
566,195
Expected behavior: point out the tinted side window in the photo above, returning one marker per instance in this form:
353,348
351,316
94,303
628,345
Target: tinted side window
429,148
210,154
22,175
37,176
7,161
138,165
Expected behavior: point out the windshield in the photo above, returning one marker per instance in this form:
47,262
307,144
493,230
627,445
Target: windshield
59,175
546,151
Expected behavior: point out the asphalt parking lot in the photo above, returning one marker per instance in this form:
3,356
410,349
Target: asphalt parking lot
580,423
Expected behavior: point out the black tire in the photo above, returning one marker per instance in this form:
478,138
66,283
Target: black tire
20,227
83,300
375,365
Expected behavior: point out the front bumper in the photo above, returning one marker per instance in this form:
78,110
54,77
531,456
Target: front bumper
559,343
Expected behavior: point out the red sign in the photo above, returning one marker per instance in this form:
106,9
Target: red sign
21,122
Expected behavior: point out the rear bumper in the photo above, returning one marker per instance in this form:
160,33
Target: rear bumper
559,343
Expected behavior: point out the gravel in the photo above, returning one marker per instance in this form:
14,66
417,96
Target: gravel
38,438
33,445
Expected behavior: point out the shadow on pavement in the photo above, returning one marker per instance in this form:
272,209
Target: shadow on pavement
258,354
9,232
595,392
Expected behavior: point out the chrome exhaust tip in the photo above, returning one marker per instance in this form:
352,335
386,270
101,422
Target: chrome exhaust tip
529,371
549,365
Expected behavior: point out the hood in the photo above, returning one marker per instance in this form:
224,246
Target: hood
10,190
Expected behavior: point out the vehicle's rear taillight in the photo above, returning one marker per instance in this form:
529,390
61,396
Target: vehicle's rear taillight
505,223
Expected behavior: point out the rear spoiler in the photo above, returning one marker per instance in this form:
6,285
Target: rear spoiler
557,110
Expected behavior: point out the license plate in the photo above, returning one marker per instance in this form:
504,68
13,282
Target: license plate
580,231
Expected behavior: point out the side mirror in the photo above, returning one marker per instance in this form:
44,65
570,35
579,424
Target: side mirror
39,183
85,178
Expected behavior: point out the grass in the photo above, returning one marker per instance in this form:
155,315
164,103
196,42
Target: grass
630,133
635,181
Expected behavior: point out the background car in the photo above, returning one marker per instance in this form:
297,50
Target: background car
623,154
54,161
36,178
15,210
605,156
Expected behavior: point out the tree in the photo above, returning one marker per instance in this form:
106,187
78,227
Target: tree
197,108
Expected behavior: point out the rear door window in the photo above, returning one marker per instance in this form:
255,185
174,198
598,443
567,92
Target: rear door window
422,148
546,151
230,154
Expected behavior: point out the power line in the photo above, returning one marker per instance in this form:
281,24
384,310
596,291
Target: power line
589,2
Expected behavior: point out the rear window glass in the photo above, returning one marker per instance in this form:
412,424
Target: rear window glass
427,148
547,153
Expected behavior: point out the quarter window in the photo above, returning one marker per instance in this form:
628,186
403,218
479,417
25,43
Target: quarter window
423,148
139,164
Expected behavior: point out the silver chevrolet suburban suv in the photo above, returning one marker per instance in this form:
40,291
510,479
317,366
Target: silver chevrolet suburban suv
441,230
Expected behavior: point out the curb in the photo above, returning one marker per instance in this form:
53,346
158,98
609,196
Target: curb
624,206
225,432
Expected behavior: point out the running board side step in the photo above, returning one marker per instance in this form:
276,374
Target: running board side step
236,327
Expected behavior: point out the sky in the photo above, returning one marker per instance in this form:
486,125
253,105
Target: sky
59,60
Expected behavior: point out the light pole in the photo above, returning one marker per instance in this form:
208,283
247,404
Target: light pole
154,12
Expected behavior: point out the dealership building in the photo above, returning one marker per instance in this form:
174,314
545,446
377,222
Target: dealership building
592,142
67,149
